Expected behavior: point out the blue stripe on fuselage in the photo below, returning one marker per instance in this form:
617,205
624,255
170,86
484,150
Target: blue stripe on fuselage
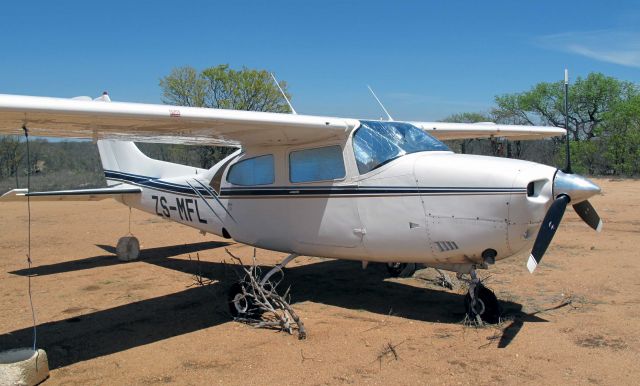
297,191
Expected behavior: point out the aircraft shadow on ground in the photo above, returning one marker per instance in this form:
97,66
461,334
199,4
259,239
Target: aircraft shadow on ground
332,282
107,260
121,328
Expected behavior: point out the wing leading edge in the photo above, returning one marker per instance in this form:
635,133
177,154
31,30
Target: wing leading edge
77,118
101,119
448,130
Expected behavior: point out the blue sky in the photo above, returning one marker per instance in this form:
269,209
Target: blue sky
425,59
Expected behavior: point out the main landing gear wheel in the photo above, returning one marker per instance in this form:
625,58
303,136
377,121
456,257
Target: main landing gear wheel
239,303
128,248
486,306
243,306
401,269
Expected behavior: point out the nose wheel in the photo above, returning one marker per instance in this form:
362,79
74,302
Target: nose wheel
481,304
401,269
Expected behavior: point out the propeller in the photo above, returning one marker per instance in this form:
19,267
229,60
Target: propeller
547,230
566,187
588,215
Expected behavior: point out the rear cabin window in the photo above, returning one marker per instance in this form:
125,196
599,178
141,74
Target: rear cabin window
252,171
321,164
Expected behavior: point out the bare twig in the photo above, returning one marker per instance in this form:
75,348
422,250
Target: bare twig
198,279
389,350
476,322
267,308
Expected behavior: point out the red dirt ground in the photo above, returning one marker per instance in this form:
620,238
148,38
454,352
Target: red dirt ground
105,322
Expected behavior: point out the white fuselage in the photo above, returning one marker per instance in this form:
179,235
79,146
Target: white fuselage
435,207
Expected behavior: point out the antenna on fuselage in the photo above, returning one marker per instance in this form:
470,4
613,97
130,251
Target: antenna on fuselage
293,111
380,103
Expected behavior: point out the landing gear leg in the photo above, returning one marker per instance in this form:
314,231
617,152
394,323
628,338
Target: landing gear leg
241,305
278,268
445,280
481,303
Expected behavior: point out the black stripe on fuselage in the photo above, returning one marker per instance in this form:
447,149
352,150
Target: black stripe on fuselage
154,183
310,191
364,192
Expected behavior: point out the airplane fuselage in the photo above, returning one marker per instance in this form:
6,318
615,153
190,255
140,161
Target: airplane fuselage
434,207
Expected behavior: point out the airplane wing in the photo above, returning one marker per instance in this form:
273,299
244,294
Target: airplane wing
448,130
98,119
71,195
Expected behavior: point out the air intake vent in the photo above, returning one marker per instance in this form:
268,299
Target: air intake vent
445,246
534,188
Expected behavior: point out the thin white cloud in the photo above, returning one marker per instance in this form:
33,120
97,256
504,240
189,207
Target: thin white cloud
612,46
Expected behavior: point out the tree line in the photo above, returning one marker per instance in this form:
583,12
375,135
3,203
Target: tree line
604,127
604,124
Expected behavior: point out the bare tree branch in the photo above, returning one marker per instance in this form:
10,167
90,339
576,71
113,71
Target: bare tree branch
267,309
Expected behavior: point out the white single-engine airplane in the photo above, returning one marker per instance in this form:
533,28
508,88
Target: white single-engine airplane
371,191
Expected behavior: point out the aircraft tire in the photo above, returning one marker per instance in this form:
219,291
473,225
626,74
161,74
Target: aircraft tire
239,305
401,269
487,306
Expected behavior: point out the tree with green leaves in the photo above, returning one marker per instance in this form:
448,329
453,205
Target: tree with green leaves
11,155
621,137
590,99
598,106
224,88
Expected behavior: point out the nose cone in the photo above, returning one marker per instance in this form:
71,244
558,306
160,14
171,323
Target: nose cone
575,186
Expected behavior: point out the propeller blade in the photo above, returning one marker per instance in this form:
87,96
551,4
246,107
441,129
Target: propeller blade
547,230
588,215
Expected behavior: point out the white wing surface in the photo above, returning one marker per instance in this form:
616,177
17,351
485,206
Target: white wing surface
81,118
447,130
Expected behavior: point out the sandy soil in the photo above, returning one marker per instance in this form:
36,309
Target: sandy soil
105,322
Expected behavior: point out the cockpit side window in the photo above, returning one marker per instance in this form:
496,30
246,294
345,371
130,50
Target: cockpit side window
377,143
252,171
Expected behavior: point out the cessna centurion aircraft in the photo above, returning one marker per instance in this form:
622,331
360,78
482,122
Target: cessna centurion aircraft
364,190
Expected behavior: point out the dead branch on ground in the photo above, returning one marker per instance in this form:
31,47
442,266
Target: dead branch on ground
198,279
267,309
389,350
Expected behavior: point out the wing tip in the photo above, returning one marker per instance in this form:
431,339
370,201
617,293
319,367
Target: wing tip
14,195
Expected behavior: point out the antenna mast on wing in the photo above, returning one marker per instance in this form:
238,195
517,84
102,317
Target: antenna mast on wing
380,103
283,94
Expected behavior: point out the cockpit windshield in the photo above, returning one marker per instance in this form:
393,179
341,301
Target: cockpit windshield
376,143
